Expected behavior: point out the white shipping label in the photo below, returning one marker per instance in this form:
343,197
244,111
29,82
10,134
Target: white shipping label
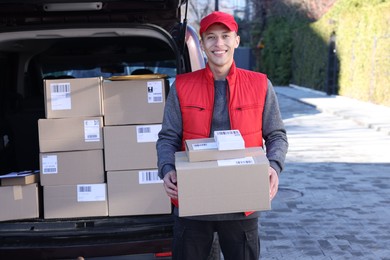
60,96
147,133
148,177
91,130
91,192
204,146
49,164
237,161
155,94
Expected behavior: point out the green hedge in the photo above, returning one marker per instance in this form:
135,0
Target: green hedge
297,52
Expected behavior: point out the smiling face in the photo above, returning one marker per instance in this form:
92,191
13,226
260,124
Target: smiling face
218,43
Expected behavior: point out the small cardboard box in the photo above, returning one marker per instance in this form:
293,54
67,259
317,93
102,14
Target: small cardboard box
70,134
223,186
205,149
73,97
138,192
229,140
19,178
130,147
19,202
131,102
74,201
66,168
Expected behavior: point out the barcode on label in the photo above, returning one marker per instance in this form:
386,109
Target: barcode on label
200,145
237,161
85,188
50,170
60,88
157,99
146,177
143,130
228,132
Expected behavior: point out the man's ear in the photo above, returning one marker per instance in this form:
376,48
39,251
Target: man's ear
237,42
201,44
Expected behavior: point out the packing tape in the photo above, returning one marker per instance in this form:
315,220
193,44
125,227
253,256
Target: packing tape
18,192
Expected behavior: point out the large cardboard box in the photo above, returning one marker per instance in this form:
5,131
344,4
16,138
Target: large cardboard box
70,134
138,101
19,178
74,201
206,149
223,186
19,202
77,167
73,97
130,147
138,192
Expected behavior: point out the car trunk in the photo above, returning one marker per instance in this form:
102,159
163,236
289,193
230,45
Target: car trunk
36,43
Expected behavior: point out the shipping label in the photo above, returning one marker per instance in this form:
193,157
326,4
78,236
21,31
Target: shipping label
237,161
60,96
155,93
148,177
147,133
204,146
91,192
91,130
49,164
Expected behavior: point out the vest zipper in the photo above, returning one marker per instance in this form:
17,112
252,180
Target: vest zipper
196,107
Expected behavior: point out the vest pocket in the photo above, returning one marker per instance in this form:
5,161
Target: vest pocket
196,120
247,118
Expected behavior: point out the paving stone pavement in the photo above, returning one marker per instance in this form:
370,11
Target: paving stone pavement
334,198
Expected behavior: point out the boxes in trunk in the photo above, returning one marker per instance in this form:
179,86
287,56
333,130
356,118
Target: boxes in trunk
70,134
73,97
136,101
137,192
19,202
76,167
130,147
71,201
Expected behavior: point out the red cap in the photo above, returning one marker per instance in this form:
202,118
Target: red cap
218,17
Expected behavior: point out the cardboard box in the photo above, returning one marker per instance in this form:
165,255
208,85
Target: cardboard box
73,97
205,149
138,192
70,134
130,147
19,202
223,186
65,168
19,178
128,102
74,201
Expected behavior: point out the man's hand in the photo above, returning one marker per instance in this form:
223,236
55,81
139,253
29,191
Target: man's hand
273,183
170,184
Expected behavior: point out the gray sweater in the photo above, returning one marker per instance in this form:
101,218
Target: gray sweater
170,136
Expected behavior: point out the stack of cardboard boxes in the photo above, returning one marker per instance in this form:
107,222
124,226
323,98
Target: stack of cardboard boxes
220,175
98,147
133,112
71,149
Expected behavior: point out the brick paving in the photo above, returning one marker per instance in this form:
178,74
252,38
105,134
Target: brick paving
334,199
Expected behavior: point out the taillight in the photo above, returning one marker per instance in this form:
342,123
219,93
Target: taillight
163,254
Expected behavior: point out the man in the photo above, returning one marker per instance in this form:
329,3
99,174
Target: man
220,97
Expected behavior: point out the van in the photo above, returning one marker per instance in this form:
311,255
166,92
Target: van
49,40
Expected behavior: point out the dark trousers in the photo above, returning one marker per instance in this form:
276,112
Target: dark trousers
193,239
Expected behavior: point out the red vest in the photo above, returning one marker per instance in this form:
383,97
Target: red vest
246,97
